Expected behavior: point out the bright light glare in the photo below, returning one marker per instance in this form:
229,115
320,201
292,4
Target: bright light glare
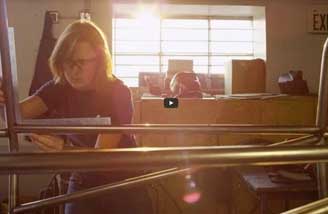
192,197
147,17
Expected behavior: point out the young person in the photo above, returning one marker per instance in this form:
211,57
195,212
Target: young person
84,86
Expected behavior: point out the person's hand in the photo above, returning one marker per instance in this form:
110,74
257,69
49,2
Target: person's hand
48,143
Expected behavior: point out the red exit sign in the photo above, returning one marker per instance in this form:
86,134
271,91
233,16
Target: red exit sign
318,19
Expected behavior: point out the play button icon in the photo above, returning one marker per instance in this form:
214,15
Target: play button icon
171,103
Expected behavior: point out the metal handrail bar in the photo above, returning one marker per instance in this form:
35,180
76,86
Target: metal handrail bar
7,78
317,207
303,140
128,183
321,115
154,158
8,63
171,128
321,121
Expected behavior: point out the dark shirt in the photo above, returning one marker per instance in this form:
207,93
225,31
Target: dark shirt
114,101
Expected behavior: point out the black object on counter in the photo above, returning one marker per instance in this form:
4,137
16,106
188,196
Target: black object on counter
293,83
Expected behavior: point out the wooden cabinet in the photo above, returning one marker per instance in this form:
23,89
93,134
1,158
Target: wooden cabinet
190,111
291,110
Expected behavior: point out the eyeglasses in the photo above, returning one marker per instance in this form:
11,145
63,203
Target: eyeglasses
80,63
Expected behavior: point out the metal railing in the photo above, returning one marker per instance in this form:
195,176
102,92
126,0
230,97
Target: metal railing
153,158
317,207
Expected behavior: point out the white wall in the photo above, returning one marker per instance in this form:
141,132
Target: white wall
259,34
289,45
27,18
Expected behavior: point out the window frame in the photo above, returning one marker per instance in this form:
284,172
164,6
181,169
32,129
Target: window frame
208,54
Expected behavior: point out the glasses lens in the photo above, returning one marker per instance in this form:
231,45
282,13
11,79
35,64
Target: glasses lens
80,63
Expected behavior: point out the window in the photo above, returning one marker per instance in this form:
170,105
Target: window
146,46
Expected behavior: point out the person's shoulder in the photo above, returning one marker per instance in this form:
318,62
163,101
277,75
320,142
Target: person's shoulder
119,84
50,88
51,94
52,84
117,87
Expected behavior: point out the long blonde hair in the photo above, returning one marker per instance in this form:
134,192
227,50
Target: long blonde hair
78,31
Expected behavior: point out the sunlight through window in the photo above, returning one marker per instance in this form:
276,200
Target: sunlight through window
145,42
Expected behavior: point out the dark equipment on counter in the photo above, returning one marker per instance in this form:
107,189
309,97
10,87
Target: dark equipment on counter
293,83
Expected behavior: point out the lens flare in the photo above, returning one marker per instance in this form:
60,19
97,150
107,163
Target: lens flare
192,194
192,197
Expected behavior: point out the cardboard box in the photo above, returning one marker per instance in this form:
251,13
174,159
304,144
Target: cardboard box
244,76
